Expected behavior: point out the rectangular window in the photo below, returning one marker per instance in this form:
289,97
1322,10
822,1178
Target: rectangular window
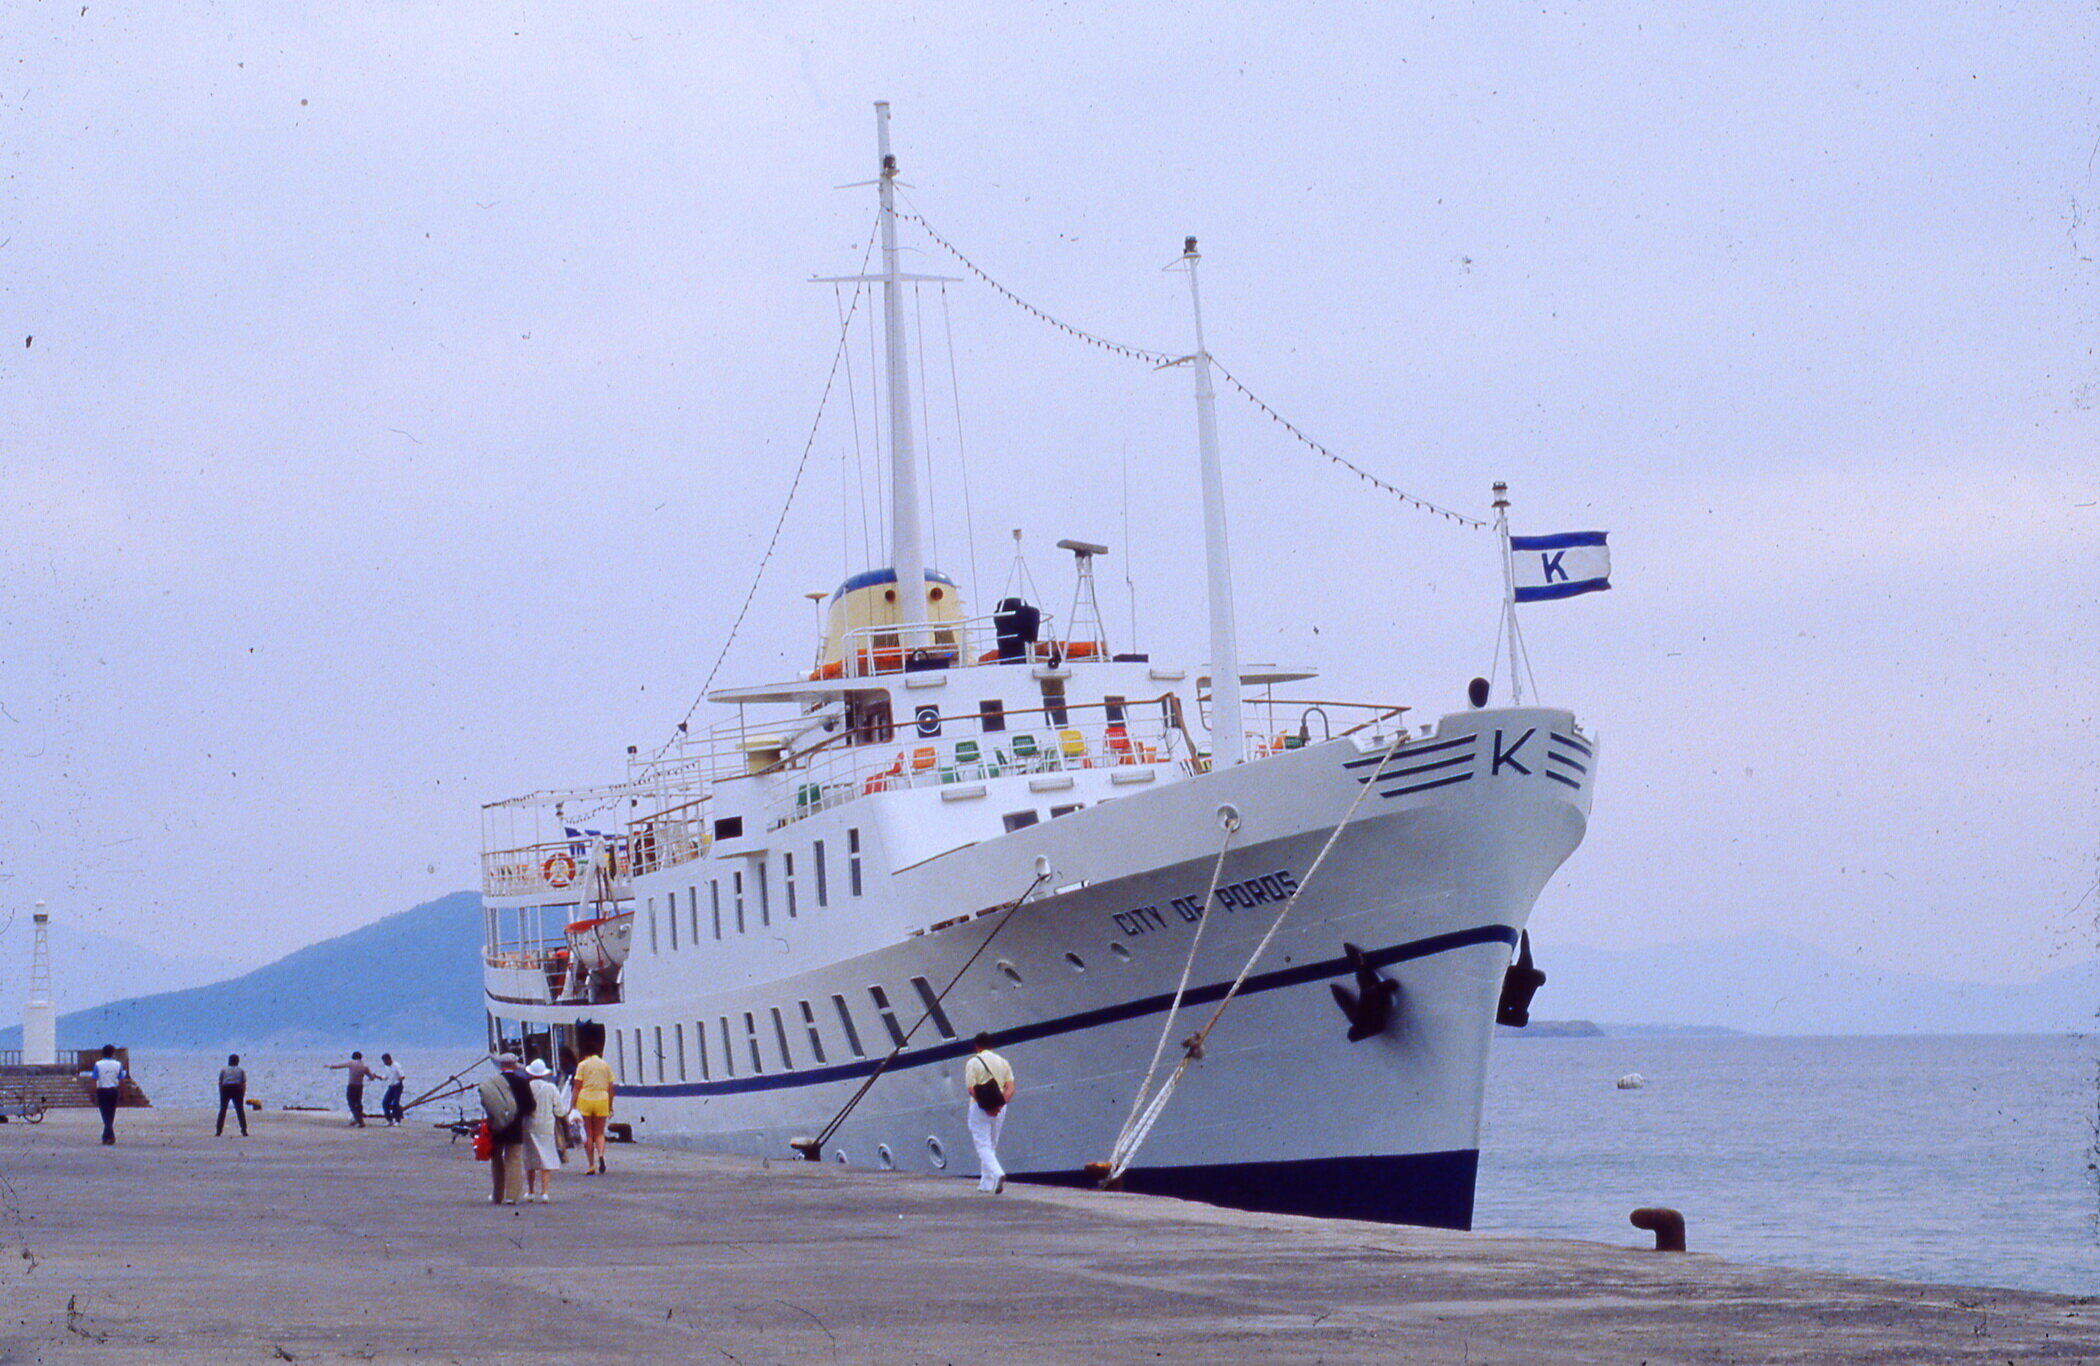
692,901
658,1031
714,898
728,1049
620,1053
765,899
816,859
1057,811
758,1064
1054,702
1114,708
852,1031
889,1017
700,1047
787,879
1019,820
868,721
780,1034
729,827
736,887
816,1040
671,917
992,716
933,1007
652,924
853,861
926,717
678,1038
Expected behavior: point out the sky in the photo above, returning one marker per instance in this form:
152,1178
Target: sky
397,403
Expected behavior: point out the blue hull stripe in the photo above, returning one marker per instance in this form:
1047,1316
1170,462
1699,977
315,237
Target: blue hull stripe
1432,1189
935,1054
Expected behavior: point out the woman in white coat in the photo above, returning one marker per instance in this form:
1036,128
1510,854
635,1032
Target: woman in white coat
542,1147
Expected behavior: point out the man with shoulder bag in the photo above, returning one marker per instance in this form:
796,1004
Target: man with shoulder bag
989,1081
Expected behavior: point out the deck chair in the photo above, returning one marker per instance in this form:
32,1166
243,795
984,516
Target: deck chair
1072,745
1027,757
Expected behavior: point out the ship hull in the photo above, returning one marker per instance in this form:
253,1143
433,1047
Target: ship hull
1426,859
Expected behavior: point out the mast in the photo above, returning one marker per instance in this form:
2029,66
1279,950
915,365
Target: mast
1227,731
1509,593
907,553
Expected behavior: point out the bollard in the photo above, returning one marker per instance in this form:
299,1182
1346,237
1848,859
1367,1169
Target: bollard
1666,1224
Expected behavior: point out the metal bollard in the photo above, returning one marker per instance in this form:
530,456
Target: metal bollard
1666,1224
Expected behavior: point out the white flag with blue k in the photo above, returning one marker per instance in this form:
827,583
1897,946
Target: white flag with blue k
1562,566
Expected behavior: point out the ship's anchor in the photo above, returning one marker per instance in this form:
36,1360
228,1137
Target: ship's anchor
1519,983
1370,1006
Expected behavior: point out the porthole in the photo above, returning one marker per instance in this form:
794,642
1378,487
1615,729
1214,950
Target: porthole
1078,963
937,1153
839,1157
885,1157
1013,974
1119,951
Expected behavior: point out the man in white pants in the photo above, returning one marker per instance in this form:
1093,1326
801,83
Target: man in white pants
988,1080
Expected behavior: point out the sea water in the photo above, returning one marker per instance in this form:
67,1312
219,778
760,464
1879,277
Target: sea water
1963,1160
1966,1161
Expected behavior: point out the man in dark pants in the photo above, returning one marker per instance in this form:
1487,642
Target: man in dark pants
233,1090
108,1075
507,1100
354,1092
396,1080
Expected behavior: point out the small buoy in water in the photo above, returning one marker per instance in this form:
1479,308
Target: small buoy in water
1632,1081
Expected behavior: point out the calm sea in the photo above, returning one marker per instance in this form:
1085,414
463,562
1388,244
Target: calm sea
1964,1160
1960,1160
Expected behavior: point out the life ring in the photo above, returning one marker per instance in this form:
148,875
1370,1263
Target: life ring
559,870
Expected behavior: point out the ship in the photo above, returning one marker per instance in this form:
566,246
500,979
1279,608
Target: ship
1238,948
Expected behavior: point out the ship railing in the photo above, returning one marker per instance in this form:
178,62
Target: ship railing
560,870
1128,736
1282,724
871,651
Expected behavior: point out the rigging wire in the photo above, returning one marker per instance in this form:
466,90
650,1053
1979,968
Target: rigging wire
1161,359
962,462
859,464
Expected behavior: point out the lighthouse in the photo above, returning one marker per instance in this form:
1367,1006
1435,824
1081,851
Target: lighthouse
39,1015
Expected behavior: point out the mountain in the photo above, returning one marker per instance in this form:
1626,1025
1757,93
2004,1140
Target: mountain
88,968
412,980
1766,984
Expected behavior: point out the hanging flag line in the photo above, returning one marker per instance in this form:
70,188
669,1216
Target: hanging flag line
1161,358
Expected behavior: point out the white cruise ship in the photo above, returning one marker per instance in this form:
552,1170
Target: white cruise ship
786,928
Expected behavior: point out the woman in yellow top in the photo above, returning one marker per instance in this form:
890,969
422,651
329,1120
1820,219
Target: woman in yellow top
594,1101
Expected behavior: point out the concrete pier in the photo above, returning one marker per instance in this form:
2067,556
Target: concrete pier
313,1242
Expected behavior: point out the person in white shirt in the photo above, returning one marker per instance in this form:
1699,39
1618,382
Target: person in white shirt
542,1139
394,1079
988,1080
108,1075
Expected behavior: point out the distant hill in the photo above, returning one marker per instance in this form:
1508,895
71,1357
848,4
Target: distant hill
1765,984
88,968
412,980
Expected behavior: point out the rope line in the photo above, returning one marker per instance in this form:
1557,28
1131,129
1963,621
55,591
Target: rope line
1192,1047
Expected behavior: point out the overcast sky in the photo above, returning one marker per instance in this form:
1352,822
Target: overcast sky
395,405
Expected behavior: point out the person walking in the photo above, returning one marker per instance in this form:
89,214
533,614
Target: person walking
542,1134
108,1076
595,1084
988,1079
394,1079
354,1091
233,1090
507,1100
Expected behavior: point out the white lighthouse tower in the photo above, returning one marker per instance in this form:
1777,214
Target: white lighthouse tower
39,1015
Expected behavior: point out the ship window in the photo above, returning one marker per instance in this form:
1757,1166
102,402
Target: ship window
889,1017
765,900
992,716
1078,963
816,860
787,879
736,888
758,1064
935,1151
780,1032
1112,708
816,1040
933,1007
852,1032
671,918
700,1047
678,1038
868,720
927,718
1013,974
728,1048
1119,951
641,1059
658,1031
1054,702
652,925
1057,811
620,1053
729,827
692,904
853,861
714,899
1019,820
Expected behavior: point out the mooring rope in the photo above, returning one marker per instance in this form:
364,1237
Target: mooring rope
1192,1047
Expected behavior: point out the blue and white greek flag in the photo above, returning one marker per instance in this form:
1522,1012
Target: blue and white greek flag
1562,566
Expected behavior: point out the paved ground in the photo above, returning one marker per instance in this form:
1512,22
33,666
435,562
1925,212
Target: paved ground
313,1242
